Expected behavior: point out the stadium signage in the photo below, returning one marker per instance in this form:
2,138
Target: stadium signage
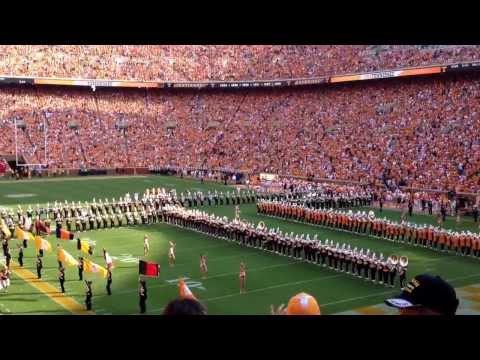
427,70
464,67
268,177
309,81
380,75
15,80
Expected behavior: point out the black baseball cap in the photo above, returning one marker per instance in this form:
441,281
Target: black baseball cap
427,291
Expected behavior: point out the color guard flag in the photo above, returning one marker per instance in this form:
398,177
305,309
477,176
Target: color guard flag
83,245
19,233
28,236
42,244
65,258
94,268
5,229
185,292
40,226
109,261
64,234
148,269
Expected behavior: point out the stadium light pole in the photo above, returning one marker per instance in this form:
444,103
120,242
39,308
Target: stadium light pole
45,136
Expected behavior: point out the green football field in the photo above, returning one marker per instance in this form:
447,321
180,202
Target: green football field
271,279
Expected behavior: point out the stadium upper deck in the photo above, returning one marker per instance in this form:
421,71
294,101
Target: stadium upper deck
228,62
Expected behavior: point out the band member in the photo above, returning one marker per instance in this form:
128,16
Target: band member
88,295
69,224
171,254
373,269
146,245
402,271
242,276
5,247
39,266
61,279
203,266
109,282
8,258
142,292
80,268
20,255
393,273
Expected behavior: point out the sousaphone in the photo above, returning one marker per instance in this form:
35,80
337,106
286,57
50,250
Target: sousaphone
261,225
393,259
403,261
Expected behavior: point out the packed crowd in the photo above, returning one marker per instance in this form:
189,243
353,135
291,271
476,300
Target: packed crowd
464,243
220,62
415,132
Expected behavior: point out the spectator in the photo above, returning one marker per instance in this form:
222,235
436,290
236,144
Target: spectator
413,131
184,307
426,295
300,304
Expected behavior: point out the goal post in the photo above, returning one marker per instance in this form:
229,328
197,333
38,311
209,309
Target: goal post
45,144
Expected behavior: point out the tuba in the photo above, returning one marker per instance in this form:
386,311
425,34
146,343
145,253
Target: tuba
393,259
261,225
403,261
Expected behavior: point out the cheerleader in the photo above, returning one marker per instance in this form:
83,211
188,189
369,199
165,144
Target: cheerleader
203,266
242,276
146,245
171,254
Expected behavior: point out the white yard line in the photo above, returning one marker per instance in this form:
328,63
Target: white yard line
6,310
464,277
360,297
209,277
273,287
78,178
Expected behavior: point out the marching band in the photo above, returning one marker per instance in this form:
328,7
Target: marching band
160,205
464,243
359,263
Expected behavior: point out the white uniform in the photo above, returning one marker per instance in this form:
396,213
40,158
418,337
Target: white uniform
171,253
146,245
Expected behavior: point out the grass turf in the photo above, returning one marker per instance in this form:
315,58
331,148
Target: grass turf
271,279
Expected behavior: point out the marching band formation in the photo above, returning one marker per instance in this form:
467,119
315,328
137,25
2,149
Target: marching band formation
161,205
127,210
464,243
360,263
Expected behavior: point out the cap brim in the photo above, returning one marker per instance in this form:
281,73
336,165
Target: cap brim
399,303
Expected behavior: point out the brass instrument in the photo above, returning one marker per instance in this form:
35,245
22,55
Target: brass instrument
393,259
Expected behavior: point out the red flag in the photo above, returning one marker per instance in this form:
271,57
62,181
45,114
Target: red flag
40,226
64,234
148,269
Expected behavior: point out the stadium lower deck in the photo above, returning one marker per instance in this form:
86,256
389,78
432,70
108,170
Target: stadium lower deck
271,279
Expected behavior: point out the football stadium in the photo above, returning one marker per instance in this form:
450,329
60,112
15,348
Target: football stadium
239,180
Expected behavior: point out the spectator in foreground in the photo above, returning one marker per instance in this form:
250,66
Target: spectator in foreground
184,307
300,304
426,295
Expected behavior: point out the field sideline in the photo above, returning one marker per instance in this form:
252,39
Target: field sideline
271,279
